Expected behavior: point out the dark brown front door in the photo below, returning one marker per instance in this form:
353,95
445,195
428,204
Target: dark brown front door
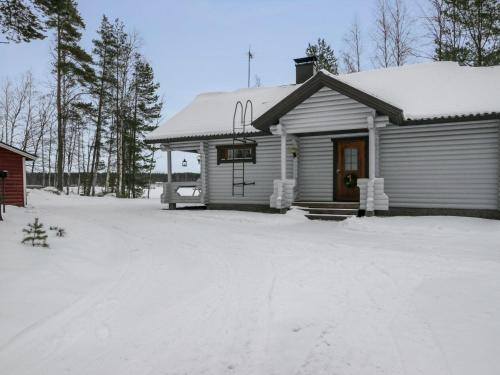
350,165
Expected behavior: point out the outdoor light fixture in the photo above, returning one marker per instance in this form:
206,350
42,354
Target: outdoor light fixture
184,163
199,159
3,176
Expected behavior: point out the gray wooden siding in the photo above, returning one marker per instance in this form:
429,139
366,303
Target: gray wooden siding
324,111
264,172
316,168
441,166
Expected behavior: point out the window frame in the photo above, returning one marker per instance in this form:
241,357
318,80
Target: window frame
221,149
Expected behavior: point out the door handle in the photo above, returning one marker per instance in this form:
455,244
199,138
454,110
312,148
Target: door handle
338,171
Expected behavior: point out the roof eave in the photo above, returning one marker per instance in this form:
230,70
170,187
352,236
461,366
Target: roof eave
190,138
457,118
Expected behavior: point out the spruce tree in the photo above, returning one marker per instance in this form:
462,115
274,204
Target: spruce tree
145,112
71,61
35,234
325,55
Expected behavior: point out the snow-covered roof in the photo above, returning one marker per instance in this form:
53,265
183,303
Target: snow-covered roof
211,114
432,90
420,91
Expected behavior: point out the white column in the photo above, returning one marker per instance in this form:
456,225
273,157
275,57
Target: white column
283,152
168,191
371,147
169,165
296,146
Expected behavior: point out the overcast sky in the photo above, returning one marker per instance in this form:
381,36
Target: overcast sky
200,45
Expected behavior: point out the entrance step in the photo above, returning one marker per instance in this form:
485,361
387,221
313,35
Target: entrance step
327,217
332,211
351,205
336,211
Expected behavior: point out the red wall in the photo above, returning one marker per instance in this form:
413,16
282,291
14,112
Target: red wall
14,189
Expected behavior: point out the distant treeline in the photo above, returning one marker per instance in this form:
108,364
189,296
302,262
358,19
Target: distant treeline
74,179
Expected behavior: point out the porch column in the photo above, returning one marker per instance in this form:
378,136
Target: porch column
284,189
370,196
283,151
169,165
371,147
171,206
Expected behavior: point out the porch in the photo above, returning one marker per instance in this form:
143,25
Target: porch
185,192
331,169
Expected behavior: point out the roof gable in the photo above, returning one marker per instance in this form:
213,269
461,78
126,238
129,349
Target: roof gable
15,150
326,110
313,85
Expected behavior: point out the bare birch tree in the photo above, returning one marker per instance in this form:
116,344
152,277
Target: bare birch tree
351,55
401,38
382,35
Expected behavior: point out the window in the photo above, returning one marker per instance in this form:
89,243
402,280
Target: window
240,153
350,159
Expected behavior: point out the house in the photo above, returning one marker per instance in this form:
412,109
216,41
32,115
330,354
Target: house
416,139
13,161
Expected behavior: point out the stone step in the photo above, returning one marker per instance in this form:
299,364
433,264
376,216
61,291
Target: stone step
327,217
339,205
332,211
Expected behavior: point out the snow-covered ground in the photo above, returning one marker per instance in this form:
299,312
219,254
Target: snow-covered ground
136,290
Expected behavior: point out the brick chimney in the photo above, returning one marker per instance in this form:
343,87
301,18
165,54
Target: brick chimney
305,68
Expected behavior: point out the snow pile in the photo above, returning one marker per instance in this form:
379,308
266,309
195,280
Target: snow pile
132,289
437,89
212,113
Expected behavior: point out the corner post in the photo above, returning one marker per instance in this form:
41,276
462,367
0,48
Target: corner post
203,153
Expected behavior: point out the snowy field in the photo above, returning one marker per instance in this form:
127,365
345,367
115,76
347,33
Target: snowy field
136,290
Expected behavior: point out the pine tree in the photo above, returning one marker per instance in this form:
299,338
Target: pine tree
452,43
479,22
124,47
325,55
466,31
35,234
72,63
20,21
104,51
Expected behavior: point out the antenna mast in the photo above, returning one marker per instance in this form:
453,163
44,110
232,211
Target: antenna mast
250,57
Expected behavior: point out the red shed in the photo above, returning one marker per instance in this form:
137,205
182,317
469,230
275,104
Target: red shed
13,161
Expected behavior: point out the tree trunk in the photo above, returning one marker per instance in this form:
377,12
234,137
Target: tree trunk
60,130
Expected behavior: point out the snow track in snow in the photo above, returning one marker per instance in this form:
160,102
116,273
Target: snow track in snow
136,290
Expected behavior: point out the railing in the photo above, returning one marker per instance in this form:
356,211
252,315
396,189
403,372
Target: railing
181,192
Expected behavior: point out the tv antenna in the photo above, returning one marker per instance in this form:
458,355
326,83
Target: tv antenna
250,57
